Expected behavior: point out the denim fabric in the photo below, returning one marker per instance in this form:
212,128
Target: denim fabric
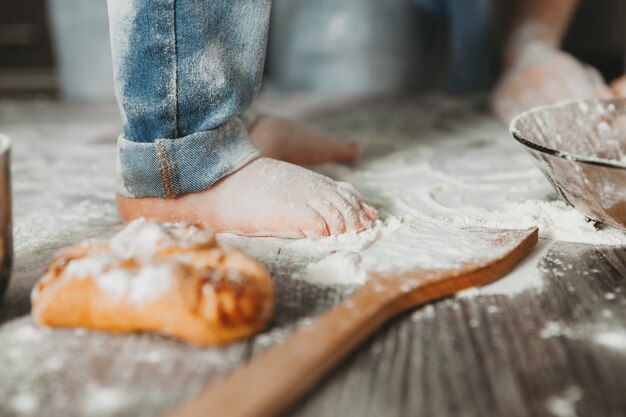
184,70
183,165
471,54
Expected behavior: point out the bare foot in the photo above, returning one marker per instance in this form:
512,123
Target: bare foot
298,143
264,198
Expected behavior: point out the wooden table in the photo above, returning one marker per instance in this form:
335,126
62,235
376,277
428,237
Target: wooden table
555,350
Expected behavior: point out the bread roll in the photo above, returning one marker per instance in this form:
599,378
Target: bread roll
173,279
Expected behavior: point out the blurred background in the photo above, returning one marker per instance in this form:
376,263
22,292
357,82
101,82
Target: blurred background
60,48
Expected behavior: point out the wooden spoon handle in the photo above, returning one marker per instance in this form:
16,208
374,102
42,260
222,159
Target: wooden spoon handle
272,380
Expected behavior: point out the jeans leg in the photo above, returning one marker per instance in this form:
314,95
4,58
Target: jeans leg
184,71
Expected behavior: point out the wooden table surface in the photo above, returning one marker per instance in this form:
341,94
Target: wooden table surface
557,349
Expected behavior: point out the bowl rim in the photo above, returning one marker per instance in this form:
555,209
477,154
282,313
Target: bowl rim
590,160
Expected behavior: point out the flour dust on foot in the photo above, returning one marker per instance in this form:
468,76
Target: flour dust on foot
264,198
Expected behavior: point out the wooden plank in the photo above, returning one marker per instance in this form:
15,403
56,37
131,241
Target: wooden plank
497,355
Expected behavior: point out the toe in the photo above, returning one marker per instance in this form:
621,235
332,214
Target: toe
349,188
348,152
332,216
366,220
366,213
370,212
350,212
314,226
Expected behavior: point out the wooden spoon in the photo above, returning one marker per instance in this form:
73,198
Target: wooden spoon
272,381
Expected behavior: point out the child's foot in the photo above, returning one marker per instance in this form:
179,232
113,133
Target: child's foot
298,143
264,198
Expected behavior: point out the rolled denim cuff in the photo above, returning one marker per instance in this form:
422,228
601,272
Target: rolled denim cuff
171,167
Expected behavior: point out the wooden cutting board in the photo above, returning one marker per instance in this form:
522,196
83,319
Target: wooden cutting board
448,259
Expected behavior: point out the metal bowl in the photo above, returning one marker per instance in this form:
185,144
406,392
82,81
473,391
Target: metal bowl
580,146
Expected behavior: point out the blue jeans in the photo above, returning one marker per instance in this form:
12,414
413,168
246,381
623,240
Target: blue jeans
184,71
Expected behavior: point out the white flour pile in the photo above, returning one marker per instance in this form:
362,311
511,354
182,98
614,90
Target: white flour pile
604,335
564,405
478,183
141,243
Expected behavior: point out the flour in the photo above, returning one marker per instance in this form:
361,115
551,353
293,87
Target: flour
336,268
103,401
24,403
139,242
59,372
138,286
553,329
439,162
607,336
516,197
564,404
612,339
413,170
343,265
523,277
393,246
140,239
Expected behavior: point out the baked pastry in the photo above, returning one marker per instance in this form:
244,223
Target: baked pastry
174,279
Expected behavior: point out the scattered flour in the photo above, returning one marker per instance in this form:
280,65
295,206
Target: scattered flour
523,277
103,401
343,265
553,329
464,174
419,163
398,246
140,241
564,405
481,177
138,286
615,340
336,268
24,403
